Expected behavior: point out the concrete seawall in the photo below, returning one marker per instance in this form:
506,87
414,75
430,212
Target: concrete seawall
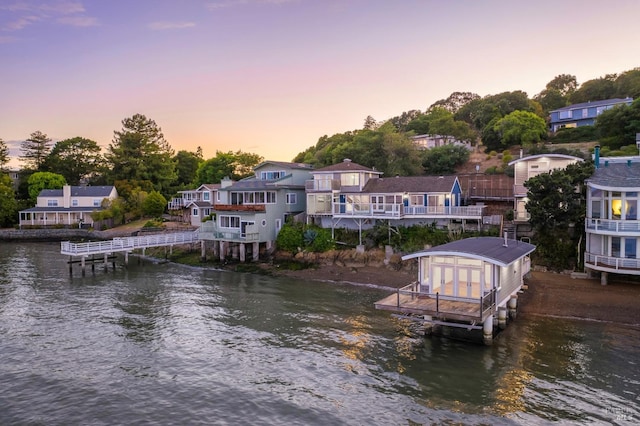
51,235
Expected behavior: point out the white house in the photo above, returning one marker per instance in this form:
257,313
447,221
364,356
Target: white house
464,283
533,165
69,206
195,205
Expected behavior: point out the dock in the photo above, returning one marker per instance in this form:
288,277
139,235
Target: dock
124,245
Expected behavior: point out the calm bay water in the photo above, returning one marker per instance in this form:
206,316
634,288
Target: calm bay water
167,344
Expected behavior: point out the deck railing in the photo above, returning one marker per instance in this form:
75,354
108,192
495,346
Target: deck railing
127,243
611,262
616,226
400,210
486,303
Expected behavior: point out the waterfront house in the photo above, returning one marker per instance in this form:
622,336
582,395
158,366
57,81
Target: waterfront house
352,196
533,165
611,224
69,206
464,283
194,205
249,213
583,114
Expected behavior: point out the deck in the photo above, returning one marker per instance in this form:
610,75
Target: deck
127,244
408,300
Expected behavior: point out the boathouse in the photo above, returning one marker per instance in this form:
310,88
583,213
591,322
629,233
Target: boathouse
464,283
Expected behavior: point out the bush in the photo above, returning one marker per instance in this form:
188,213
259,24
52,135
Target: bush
575,134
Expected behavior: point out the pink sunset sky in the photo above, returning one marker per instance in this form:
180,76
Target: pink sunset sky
272,76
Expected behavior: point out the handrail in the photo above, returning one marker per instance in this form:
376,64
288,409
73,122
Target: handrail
127,243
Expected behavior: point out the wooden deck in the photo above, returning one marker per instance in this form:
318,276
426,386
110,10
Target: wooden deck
408,301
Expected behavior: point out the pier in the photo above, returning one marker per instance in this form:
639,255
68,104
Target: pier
125,245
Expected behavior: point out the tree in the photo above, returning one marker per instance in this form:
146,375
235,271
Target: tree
441,122
401,122
8,203
595,90
4,154
628,84
551,99
455,101
35,150
186,167
443,160
521,128
617,127
44,180
565,84
154,204
140,152
75,159
370,123
557,208
235,166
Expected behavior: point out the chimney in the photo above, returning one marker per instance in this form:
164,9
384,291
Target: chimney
505,240
596,156
66,196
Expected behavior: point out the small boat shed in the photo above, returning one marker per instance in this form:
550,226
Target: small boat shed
464,283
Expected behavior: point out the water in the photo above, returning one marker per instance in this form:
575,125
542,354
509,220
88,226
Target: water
167,344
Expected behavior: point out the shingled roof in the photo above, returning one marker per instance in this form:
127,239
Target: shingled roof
80,191
410,184
346,166
492,249
616,175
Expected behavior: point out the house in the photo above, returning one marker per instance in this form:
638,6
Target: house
464,283
248,214
69,206
583,114
527,167
194,205
353,196
423,142
611,224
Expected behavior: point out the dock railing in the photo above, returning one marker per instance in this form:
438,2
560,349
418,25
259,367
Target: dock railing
127,243
486,303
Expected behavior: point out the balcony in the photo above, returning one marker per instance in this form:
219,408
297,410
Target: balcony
604,263
209,231
607,226
239,208
322,185
399,211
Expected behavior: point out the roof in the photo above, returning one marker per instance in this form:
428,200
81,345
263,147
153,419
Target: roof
252,183
62,209
202,204
210,186
535,157
410,184
616,175
346,166
79,191
285,165
594,104
491,249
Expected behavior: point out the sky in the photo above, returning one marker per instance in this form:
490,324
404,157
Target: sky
271,77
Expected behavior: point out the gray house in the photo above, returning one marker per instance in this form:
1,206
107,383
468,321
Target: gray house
248,214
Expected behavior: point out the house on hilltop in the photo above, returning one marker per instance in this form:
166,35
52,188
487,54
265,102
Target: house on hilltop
70,206
583,114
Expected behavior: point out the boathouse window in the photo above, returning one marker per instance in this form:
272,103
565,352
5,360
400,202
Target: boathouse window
52,203
230,221
292,198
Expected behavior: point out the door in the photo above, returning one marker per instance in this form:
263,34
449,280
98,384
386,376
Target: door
442,280
468,283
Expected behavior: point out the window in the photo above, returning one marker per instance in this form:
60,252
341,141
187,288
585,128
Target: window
630,248
615,246
417,200
218,197
206,212
74,203
350,179
248,198
271,197
230,222
96,203
292,198
563,115
52,203
194,212
260,197
272,175
206,196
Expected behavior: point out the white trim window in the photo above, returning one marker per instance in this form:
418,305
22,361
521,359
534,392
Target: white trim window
194,212
292,198
232,222
206,196
271,197
52,203
97,202
272,175
74,203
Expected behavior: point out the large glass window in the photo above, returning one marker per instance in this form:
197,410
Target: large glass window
52,203
271,197
630,248
615,246
292,198
350,179
564,115
272,175
616,205
229,221
596,207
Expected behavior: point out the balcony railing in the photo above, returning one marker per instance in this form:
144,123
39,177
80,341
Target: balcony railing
613,226
400,210
599,261
239,207
322,185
